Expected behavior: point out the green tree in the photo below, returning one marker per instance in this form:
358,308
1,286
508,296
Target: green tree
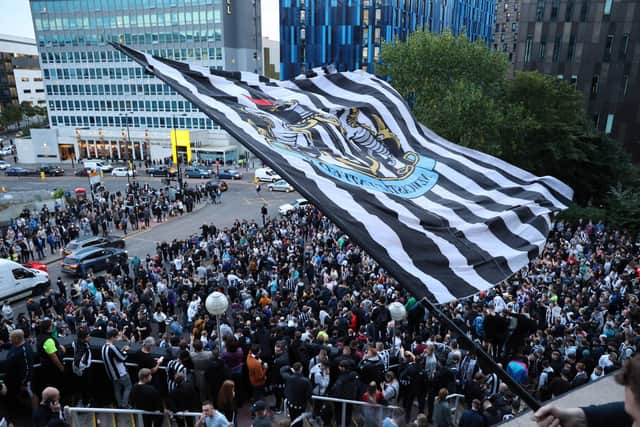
11,114
27,110
453,85
624,207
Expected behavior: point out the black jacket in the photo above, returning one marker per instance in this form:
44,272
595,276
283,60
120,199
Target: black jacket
346,386
297,387
184,398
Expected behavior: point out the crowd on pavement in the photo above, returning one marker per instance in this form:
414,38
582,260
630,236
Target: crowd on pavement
308,315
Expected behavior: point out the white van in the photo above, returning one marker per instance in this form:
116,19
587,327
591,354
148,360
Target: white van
95,164
267,174
17,281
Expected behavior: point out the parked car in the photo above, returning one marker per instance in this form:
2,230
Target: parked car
267,174
4,165
162,171
6,151
97,164
88,261
99,241
214,184
229,174
290,207
281,185
121,171
18,171
52,170
17,281
192,172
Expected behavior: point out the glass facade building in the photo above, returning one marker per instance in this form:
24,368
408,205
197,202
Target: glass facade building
90,85
350,33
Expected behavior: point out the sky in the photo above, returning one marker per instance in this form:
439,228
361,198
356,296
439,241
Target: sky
15,18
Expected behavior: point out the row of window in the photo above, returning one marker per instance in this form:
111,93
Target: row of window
569,10
29,90
48,39
149,122
65,6
148,20
100,90
26,79
555,56
123,106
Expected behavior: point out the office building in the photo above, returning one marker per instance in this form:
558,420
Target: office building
102,104
350,33
18,53
505,33
595,46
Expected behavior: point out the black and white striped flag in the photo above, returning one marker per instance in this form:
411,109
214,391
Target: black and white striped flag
444,220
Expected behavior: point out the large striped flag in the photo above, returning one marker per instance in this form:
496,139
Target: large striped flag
444,220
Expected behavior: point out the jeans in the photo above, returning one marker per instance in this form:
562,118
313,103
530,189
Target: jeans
122,388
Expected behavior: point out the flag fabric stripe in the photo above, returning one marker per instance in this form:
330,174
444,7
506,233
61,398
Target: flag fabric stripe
445,221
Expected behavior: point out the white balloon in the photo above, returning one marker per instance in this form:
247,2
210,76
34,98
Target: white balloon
397,310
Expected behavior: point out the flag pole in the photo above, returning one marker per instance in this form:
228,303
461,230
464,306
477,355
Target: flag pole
515,387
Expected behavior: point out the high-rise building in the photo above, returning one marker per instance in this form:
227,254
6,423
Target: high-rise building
349,33
505,33
18,61
271,58
593,44
102,104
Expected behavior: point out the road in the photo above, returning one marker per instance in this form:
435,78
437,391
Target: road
239,202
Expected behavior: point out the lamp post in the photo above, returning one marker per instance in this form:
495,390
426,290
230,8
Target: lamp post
398,313
217,304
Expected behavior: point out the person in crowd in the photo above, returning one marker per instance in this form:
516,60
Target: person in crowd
114,359
51,371
81,365
261,418
297,391
257,372
183,398
442,410
227,402
473,417
19,374
146,397
211,418
49,413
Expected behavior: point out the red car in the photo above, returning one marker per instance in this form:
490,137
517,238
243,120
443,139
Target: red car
36,265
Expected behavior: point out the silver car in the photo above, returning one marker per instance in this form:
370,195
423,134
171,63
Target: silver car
281,185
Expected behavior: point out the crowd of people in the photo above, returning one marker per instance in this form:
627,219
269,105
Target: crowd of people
308,315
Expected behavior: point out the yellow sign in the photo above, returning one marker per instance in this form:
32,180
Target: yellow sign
42,175
180,138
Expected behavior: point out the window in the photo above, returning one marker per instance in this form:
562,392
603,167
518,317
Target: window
22,273
540,10
569,12
555,5
608,47
543,47
624,46
625,84
574,80
24,79
27,91
596,120
527,48
514,27
584,10
594,84
609,125
572,47
556,49
608,5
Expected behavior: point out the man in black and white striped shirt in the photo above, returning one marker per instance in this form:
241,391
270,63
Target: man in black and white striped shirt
116,370
174,367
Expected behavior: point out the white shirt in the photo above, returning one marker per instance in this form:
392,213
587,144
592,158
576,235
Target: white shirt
192,311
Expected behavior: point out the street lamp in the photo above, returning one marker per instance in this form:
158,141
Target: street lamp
398,313
217,304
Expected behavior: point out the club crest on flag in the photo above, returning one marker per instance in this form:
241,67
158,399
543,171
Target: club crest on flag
351,145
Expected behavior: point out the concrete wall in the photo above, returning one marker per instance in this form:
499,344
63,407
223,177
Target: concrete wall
41,147
29,87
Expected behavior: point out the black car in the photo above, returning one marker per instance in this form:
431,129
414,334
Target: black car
89,260
52,170
18,171
162,171
93,241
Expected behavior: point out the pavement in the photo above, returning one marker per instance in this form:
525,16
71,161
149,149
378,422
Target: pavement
602,391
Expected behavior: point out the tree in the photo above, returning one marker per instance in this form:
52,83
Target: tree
11,114
460,90
27,110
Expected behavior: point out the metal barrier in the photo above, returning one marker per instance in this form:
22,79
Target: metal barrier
136,414
372,413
